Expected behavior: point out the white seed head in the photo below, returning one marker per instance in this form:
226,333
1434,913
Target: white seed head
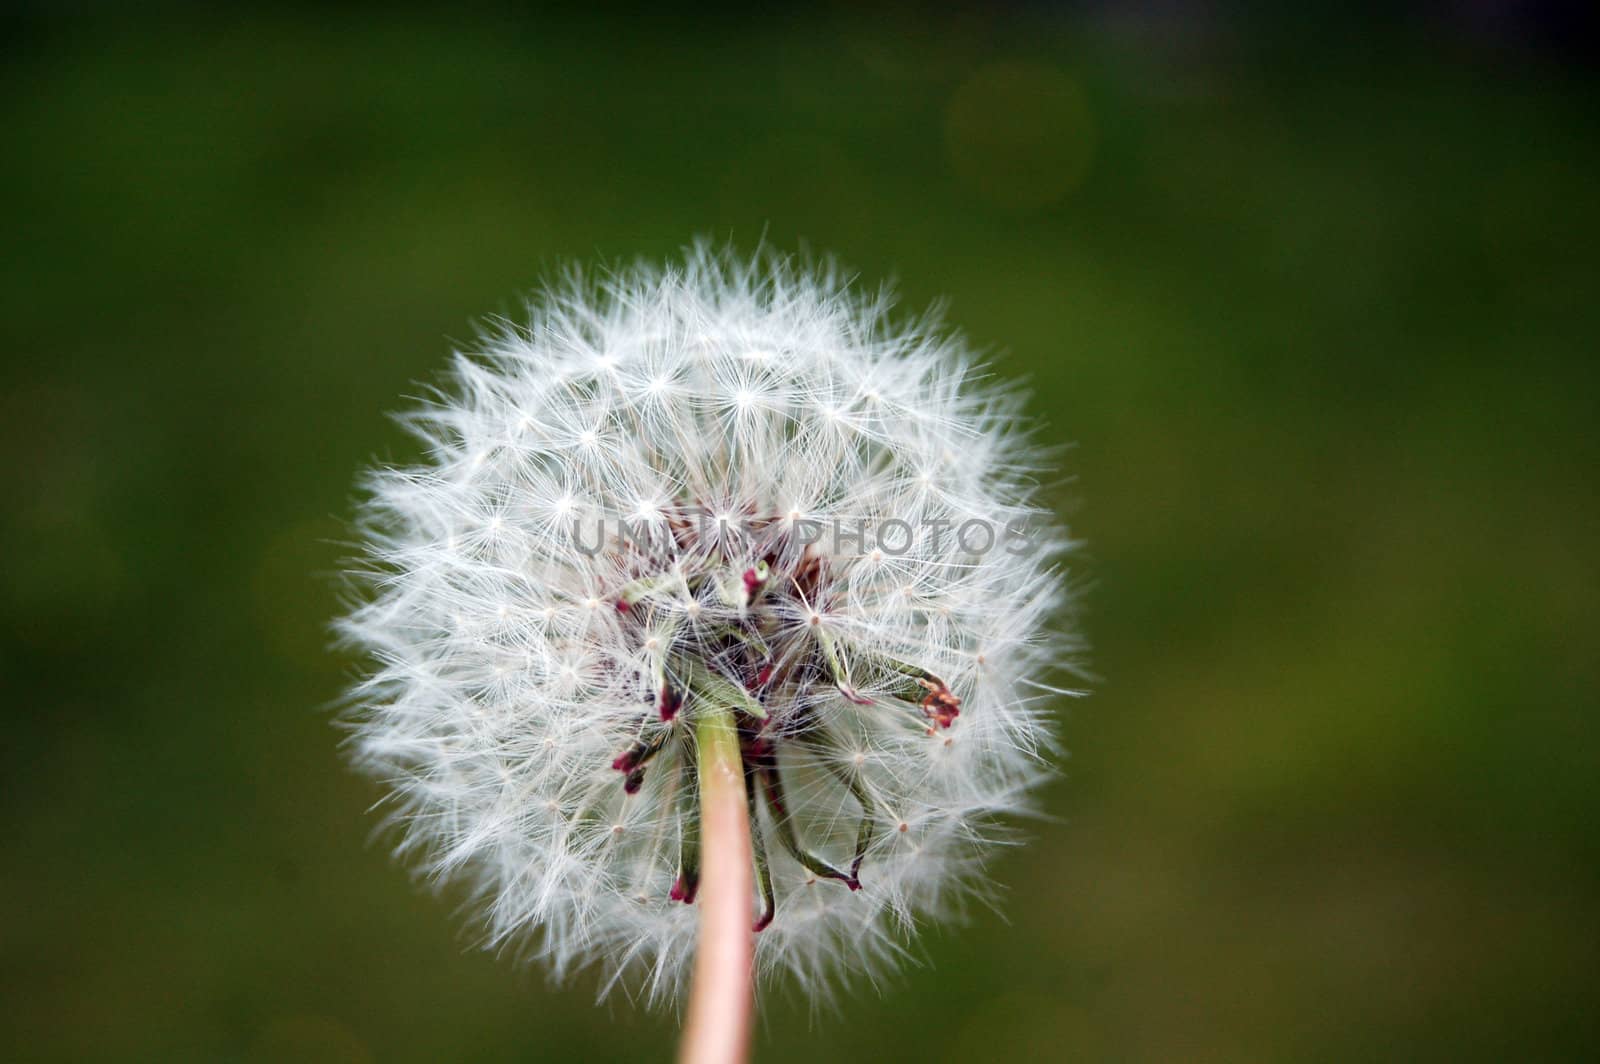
730,483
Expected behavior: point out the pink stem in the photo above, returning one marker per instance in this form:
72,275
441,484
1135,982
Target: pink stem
717,1030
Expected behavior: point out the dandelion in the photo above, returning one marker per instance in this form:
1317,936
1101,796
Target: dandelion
719,621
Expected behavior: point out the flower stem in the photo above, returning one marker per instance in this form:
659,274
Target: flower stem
718,1027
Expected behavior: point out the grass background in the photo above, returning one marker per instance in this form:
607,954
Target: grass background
1314,298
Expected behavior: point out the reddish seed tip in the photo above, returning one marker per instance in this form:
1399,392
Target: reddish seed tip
679,892
764,675
670,704
942,707
853,883
634,781
752,581
623,762
622,605
762,923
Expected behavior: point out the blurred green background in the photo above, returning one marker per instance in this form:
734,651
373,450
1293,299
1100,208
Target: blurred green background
1315,298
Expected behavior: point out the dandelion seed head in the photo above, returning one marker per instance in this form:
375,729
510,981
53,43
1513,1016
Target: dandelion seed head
612,525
